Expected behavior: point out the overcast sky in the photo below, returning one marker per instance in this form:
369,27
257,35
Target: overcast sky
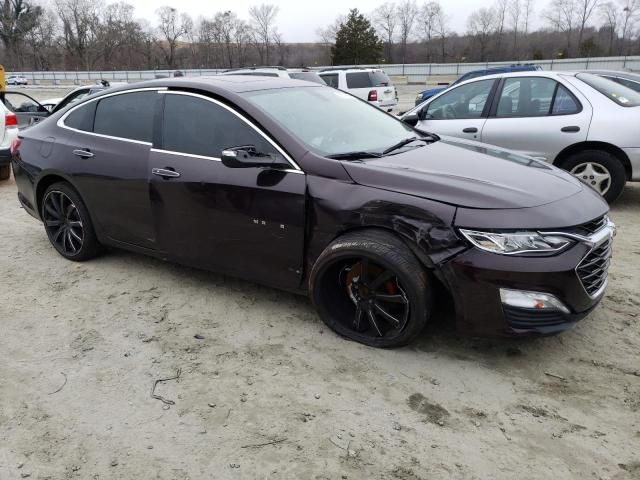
298,20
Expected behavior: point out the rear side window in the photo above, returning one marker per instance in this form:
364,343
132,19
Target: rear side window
331,79
200,127
358,80
623,96
82,118
526,97
129,115
564,103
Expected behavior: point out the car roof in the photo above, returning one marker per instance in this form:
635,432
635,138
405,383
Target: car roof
228,83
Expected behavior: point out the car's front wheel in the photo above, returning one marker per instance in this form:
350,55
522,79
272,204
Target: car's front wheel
67,223
369,287
600,170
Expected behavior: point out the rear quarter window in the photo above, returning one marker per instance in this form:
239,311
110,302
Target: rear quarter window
359,80
128,115
82,117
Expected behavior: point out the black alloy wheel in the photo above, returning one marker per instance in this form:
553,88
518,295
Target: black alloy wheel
67,223
369,287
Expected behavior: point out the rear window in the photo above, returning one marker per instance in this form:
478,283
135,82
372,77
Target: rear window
308,76
330,79
379,79
623,96
129,115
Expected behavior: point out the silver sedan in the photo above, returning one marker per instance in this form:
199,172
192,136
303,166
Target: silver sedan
581,122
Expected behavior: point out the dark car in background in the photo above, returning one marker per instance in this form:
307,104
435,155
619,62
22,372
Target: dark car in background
308,189
430,92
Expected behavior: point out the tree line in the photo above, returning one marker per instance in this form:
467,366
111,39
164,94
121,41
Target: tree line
92,35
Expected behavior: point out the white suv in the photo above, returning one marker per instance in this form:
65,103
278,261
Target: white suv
8,133
296,73
368,84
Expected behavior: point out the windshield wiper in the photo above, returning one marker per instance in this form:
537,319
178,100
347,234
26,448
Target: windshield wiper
401,144
354,155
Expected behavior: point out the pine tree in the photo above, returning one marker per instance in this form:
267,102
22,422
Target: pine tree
356,42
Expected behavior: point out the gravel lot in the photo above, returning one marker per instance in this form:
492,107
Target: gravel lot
266,391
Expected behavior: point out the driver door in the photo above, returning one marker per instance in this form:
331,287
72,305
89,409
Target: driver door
27,109
459,112
248,222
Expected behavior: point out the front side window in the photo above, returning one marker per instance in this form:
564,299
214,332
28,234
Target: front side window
331,121
331,79
623,96
127,115
466,101
199,127
526,97
20,103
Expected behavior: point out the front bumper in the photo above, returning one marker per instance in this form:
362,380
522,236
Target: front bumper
475,278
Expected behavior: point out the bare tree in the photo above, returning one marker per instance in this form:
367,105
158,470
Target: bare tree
584,12
629,15
17,20
501,7
385,19
561,17
172,27
442,29
407,11
610,14
515,15
429,14
263,19
528,6
80,20
481,25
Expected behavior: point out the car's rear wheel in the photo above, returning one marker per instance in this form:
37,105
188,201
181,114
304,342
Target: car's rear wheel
600,170
67,223
369,287
5,172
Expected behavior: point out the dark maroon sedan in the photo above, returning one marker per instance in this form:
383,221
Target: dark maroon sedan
309,189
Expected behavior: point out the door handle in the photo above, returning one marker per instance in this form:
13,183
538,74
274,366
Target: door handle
83,153
165,172
470,130
571,129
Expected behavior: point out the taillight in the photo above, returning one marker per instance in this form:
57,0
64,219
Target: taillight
10,120
15,145
373,96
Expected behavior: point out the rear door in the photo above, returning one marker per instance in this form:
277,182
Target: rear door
106,146
536,116
459,112
26,108
247,222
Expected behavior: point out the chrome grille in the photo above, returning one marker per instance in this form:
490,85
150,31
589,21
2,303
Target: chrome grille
593,269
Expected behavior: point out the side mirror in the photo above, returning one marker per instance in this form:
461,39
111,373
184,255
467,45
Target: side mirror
411,119
247,157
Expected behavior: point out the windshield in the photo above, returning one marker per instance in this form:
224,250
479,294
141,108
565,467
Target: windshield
620,94
329,121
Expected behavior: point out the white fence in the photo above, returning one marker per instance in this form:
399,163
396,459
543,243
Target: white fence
414,72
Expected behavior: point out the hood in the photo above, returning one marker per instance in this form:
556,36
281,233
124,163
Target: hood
432,91
467,174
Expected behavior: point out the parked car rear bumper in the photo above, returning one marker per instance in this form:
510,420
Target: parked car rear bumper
634,159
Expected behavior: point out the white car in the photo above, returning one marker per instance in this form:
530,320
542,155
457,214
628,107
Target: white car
370,84
581,122
295,73
16,80
8,133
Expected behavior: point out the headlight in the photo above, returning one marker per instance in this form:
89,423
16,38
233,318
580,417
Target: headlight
517,243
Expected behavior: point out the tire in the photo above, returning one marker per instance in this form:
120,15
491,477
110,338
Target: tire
344,296
77,240
5,172
593,163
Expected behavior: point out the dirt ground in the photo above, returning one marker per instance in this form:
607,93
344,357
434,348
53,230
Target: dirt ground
266,391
